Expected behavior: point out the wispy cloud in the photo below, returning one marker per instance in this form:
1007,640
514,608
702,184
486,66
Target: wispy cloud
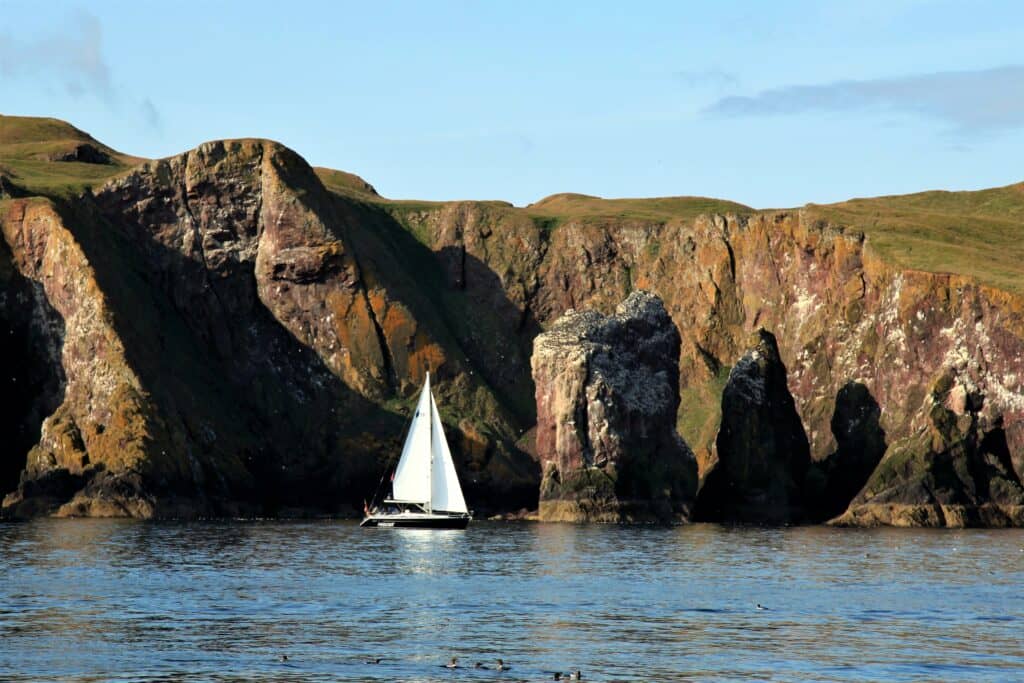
706,77
72,55
970,101
150,114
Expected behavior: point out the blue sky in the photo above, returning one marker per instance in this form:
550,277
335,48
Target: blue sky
769,104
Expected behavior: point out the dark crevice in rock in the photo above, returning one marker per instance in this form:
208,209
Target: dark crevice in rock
732,256
388,362
712,363
995,443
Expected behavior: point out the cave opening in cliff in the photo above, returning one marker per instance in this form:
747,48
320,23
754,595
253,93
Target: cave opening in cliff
31,339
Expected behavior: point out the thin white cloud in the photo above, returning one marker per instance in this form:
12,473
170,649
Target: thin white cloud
970,101
72,55
150,114
716,78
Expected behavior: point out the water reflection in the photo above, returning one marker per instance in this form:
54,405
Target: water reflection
221,601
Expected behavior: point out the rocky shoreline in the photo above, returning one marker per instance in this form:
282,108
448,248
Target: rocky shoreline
229,332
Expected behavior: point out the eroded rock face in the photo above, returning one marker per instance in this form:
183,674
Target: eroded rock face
840,312
105,419
607,397
954,471
762,449
236,340
241,340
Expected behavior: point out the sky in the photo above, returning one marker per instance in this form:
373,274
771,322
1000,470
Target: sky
772,104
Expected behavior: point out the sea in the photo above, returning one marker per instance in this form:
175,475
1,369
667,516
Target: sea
120,600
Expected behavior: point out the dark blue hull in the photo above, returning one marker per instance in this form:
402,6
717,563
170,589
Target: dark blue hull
434,522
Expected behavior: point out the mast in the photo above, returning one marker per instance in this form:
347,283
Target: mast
430,470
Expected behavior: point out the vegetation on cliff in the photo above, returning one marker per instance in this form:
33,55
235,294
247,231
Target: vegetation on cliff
263,324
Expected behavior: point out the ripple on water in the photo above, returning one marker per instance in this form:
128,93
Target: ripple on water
223,600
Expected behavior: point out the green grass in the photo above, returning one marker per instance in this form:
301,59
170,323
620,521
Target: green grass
980,234
27,143
347,184
700,410
568,206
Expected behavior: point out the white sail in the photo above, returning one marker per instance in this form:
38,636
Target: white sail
446,494
412,475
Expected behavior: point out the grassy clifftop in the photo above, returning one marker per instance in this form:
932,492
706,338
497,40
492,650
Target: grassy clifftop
972,233
569,205
51,157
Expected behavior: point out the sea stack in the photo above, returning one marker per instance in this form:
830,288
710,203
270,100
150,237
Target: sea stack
763,454
607,398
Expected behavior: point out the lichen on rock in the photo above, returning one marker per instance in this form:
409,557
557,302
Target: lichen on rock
607,396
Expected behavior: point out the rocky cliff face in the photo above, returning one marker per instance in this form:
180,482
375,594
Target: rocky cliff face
607,398
861,338
231,341
954,470
218,332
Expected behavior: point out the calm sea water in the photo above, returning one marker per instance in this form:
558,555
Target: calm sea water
100,600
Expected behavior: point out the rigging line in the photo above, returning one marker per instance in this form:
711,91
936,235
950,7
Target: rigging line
430,470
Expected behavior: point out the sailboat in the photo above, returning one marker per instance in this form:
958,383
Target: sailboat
425,490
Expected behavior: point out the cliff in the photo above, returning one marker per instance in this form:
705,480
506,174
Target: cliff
229,331
607,399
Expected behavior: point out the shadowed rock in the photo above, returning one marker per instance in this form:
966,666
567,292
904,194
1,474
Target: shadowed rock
955,471
762,449
832,483
607,396
83,153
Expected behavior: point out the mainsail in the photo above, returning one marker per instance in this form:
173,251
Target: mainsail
425,474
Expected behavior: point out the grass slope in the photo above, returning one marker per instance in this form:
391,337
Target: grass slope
980,234
27,145
569,206
972,233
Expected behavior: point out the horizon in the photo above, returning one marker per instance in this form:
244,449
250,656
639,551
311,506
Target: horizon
515,104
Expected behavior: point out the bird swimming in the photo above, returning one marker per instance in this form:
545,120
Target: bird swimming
502,666
374,660
282,658
479,665
453,664
760,606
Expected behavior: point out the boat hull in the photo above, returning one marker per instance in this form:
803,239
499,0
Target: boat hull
417,522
